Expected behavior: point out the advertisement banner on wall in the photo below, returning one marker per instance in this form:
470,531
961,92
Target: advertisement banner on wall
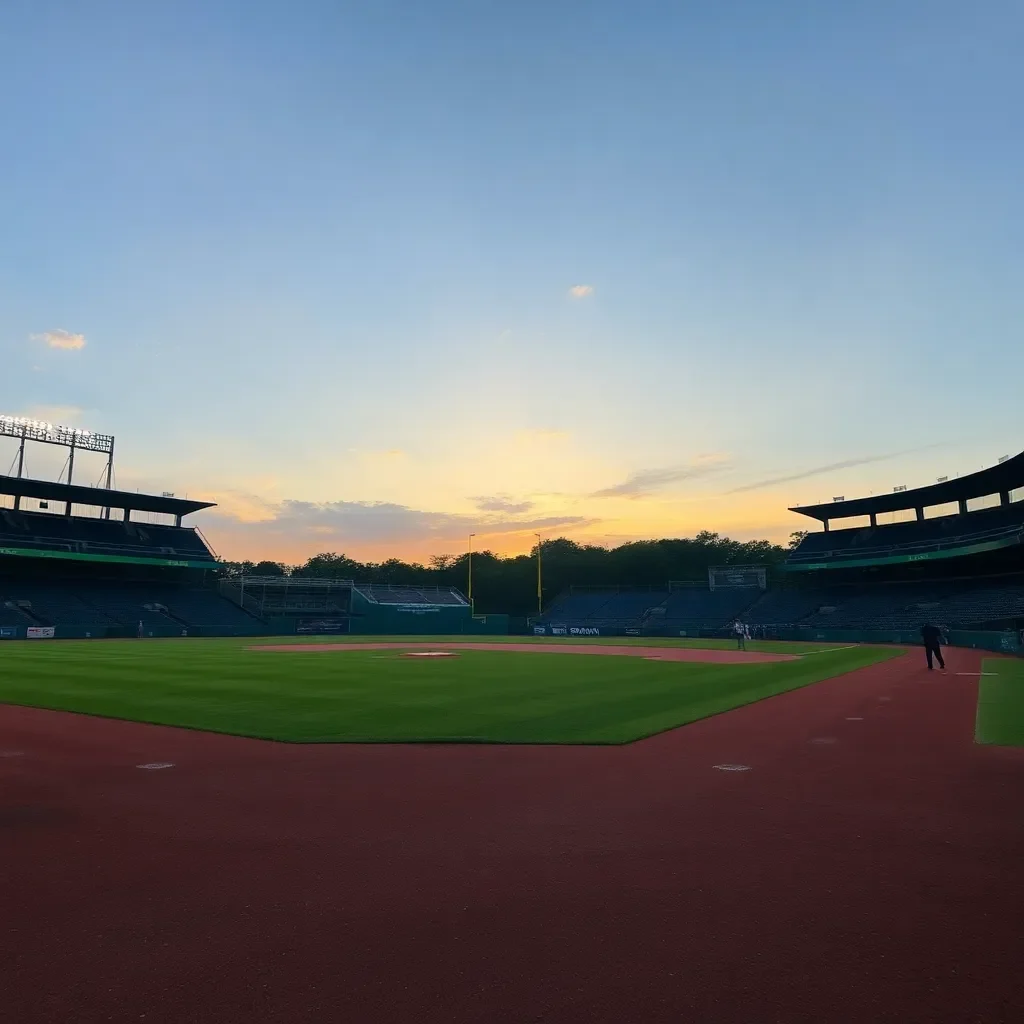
320,626
40,632
8,632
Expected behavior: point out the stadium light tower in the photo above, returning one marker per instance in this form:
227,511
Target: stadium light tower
24,429
471,608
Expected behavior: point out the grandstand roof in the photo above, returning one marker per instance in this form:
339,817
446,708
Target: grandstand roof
1007,476
98,497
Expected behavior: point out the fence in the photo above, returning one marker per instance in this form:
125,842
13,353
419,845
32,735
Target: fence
1006,642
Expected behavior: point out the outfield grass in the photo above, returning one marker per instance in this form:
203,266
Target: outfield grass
380,696
1001,703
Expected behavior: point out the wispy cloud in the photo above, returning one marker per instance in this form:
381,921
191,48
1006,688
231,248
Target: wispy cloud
581,291
243,519
61,339
832,467
646,481
502,503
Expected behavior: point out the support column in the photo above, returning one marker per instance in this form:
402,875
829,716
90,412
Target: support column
826,526
963,506
71,474
21,467
920,515
874,518
1004,497
110,475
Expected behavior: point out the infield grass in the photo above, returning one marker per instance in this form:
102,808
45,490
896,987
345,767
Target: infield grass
1001,703
381,696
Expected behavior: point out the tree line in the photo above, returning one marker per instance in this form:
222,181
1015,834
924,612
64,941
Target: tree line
509,584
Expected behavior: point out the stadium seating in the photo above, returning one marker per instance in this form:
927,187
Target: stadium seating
683,608
700,608
955,603
56,605
1004,522
11,615
786,607
84,535
100,606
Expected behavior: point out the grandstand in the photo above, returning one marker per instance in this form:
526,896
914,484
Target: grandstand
89,569
79,561
963,569
683,608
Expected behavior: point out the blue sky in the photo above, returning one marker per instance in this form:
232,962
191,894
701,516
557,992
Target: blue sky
321,258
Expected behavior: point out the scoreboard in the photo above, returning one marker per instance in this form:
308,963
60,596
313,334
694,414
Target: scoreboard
745,576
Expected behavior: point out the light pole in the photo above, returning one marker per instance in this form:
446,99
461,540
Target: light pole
471,608
540,591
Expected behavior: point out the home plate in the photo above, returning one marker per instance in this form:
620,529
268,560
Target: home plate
431,654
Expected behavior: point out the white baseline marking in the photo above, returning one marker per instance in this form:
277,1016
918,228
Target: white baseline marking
154,765
829,650
977,673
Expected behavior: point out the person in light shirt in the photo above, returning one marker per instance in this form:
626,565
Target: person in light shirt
741,635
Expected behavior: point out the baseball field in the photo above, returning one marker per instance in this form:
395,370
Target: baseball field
412,690
508,831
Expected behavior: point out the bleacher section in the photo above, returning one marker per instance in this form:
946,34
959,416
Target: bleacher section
955,603
683,608
995,526
82,535
699,608
102,606
11,615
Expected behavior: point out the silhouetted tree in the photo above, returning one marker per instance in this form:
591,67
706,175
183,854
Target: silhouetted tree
509,584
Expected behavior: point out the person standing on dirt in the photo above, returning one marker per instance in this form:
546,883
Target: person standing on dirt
932,637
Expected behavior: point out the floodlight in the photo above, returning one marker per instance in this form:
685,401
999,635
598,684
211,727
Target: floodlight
24,428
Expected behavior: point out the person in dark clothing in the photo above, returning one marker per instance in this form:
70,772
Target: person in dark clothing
932,637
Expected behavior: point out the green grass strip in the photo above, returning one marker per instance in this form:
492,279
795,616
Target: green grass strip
1000,718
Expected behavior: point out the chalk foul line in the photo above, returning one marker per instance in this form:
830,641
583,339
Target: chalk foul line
829,650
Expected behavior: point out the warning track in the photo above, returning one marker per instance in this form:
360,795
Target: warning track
876,877
650,653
